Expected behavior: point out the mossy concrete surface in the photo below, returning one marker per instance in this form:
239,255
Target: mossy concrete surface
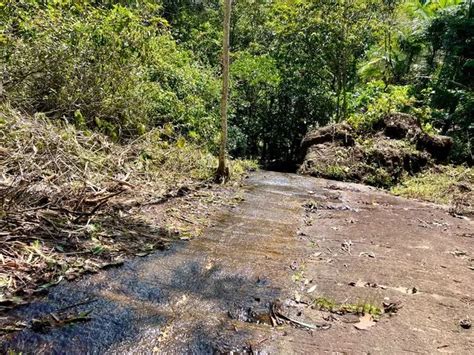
253,280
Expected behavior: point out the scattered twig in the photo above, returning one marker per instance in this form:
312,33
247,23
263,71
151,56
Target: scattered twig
278,315
81,303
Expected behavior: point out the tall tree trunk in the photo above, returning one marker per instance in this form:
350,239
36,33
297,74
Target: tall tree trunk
222,173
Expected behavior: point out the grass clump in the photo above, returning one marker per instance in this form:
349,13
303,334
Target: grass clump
379,177
331,171
337,172
238,167
443,184
326,304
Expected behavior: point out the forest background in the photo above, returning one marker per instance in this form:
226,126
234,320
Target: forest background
124,68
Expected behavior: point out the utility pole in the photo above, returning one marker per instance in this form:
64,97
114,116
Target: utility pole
222,173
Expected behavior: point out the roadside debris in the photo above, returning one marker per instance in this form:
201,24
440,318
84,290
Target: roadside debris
294,265
272,315
311,206
391,307
279,317
365,322
406,290
459,253
59,318
346,246
465,323
10,302
54,320
341,152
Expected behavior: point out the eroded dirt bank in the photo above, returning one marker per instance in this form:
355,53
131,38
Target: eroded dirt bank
250,281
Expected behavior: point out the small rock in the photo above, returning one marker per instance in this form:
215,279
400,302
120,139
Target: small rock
465,323
294,265
297,297
391,307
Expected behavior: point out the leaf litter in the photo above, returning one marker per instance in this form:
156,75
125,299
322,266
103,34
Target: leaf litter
74,202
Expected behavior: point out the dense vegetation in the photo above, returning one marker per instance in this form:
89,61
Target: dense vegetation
125,67
108,107
109,115
112,68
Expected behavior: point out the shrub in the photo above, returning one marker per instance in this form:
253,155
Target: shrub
113,68
371,103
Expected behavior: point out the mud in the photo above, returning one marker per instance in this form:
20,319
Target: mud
290,235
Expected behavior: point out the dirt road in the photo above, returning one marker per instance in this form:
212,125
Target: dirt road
251,281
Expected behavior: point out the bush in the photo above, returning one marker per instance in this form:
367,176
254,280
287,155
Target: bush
370,104
113,68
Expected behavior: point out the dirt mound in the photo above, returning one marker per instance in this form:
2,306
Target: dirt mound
396,145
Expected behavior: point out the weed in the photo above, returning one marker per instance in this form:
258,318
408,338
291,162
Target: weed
326,304
440,185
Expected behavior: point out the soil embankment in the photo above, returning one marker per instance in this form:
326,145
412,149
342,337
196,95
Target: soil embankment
377,157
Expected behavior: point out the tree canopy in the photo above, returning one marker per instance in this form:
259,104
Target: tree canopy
124,67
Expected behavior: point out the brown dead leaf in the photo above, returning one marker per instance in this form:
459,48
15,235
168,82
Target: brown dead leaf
365,322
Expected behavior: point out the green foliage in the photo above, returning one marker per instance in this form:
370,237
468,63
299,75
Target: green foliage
329,305
295,69
336,172
255,81
427,44
293,64
380,178
428,9
372,102
450,91
197,25
114,67
126,67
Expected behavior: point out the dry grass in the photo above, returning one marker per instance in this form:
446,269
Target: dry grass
71,201
442,184
36,149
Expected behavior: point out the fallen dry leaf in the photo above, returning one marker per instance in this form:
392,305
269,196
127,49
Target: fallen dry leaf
365,322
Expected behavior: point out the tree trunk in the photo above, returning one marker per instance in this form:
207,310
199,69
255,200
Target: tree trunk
2,71
222,173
